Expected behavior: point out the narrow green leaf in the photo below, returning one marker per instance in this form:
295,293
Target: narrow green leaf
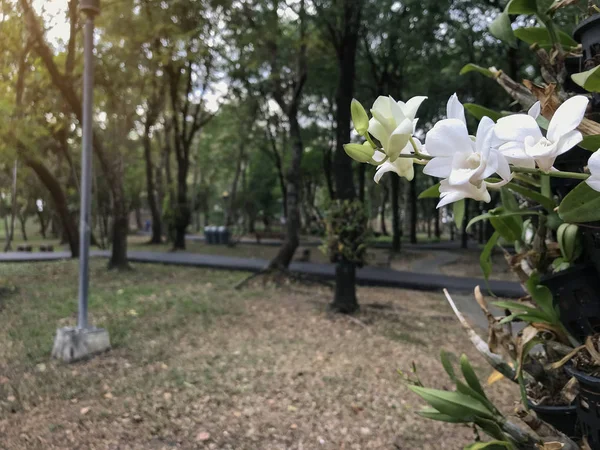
540,36
510,229
542,296
589,80
591,143
499,213
430,413
445,358
479,112
431,192
546,202
582,204
458,210
485,259
522,7
509,201
501,29
490,427
475,68
454,404
470,377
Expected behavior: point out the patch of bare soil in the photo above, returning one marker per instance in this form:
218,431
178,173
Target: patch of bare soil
279,372
406,258
467,265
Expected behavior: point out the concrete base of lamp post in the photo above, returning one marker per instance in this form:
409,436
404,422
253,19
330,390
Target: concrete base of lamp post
74,344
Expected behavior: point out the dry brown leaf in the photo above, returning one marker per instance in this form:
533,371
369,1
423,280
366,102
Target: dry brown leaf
545,94
561,4
84,411
203,436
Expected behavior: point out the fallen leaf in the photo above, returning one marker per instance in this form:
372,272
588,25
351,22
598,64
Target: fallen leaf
168,396
293,426
237,414
41,367
84,410
292,408
11,398
108,395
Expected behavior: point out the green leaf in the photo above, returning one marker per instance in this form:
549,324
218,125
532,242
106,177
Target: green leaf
501,29
546,202
509,201
458,210
453,404
431,192
589,80
582,204
433,414
479,112
445,358
508,226
491,445
542,296
485,259
475,68
521,7
540,36
591,143
470,377
490,427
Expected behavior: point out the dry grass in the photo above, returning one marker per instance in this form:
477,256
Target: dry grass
199,365
467,265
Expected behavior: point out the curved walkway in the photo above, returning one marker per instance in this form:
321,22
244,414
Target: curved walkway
367,276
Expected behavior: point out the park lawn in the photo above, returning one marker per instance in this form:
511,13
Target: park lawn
198,364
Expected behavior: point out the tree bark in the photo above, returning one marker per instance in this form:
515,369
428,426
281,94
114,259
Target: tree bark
384,198
151,189
10,233
362,168
327,169
60,203
43,223
464,238
396,228
182,209
234,186
23,222
413,209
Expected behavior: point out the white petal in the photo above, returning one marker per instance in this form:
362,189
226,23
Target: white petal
397,112
412,105
450,197
567,117
545,162
485,131
448,137
382,169
377,157
455,109
514,152
378,131
594,164
382,106
594,183
568,141
440,167
535,110
387,122
517,127
501,164
461,176
451,193
398,139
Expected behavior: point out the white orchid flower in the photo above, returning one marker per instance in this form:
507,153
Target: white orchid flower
403,167
452,193
393,123
594,167
525,145
460,159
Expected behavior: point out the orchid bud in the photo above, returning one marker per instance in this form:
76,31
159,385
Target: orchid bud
360,152
359,117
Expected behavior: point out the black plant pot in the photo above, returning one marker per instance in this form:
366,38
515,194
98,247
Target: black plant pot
563,418
576,292
588,34
573,64
588,406
572,161
590,233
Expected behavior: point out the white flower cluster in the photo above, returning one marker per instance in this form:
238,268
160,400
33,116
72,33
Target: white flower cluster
466,162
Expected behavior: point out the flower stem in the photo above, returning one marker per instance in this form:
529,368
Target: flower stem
573,175
418,154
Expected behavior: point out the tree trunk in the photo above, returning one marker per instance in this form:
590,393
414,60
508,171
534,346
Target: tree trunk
396,228
361,181
327,168
464,241
23,222
182,209
150,190
60,203
386,194
413,209
436,222
43,223
138,218
10,233
234,187
286,252
345,286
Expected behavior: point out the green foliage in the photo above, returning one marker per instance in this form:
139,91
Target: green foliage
580,205
347,231
541,37
430,192
479,112
458,209
522,7
589,80
475,68
485,258
501,29
591,143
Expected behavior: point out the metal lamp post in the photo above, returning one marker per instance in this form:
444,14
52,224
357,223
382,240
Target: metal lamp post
72,344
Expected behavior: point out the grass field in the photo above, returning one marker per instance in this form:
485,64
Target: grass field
197,364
